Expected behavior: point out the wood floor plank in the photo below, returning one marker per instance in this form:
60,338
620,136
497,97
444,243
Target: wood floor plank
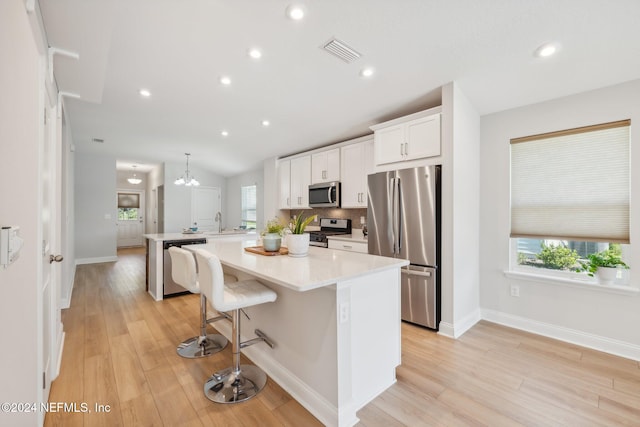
120,350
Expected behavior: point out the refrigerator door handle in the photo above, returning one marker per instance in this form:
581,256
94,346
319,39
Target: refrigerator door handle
416,273
396,216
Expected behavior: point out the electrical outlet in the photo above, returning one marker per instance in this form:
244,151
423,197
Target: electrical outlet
515,291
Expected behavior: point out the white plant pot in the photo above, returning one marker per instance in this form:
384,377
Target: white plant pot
606,275
298,244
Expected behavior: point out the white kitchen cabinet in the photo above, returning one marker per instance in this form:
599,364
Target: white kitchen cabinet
300,180
408,138
325,166
357,163
284,184
343,245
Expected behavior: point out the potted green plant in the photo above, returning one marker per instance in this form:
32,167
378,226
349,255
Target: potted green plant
604,265
298,240
272,235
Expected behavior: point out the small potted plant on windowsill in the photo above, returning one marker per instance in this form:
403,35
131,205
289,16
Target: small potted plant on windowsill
604,265
298,240
272,235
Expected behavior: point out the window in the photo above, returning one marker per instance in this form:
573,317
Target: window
128,206
249,214
570,195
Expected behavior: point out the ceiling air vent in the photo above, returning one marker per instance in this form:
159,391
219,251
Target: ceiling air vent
341,50
98,140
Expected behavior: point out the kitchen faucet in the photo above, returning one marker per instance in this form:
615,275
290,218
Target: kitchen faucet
219,219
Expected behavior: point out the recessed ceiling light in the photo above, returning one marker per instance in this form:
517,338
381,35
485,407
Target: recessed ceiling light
295,12
225,80
366,72
265,123
144,92
224,133
255,53
546,50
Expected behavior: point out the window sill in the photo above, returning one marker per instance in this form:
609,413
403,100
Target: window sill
573,283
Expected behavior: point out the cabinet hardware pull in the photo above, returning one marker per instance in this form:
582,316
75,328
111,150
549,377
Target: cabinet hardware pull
406,148
347,246
401,149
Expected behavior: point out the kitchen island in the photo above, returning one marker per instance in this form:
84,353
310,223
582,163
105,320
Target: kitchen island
155,261
335,324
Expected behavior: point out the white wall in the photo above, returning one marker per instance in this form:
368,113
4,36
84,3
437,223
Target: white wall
602,320
234,197
96,209
460,205
20,110
154,178
177,199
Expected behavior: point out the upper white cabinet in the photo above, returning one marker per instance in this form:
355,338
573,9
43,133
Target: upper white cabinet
407,138
357,163
300,180
325,166
284,184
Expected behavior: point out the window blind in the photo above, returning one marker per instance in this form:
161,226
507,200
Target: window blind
572,184
249,203
128,200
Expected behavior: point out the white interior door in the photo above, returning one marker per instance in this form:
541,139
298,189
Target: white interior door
206,205
50,336
130,218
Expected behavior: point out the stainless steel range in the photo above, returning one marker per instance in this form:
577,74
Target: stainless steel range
329,227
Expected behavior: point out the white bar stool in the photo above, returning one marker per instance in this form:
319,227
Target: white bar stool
184,273
240,382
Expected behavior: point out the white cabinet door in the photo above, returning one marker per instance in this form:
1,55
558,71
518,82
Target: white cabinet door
357,162
390,144
284,184
325,166
300,180
423,138
413,139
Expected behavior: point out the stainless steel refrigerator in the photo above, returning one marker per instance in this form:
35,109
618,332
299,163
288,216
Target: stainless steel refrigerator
403,219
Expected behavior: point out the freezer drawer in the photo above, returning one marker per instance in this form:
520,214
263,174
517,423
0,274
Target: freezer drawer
419,296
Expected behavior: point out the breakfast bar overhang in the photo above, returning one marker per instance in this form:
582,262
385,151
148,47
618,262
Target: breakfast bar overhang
335,324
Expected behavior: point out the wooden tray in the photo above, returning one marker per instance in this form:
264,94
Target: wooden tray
260,250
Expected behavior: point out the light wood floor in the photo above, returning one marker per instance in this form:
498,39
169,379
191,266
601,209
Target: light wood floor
120,351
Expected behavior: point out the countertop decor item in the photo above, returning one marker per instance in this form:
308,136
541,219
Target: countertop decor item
272,235
298,240
261,250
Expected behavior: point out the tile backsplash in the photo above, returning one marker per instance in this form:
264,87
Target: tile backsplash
352,214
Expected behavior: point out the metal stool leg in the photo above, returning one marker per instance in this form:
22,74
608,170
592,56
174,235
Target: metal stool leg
238,383
204,344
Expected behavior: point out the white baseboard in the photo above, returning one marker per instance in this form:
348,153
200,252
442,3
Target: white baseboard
96,260
460,327
322,409
66,302
62,335
596,342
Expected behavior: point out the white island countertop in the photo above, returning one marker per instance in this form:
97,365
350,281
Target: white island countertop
321,267
197,235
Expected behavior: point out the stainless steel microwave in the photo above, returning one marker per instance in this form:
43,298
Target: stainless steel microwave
324,195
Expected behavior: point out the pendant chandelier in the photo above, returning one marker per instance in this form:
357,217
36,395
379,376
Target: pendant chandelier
187,179
134,179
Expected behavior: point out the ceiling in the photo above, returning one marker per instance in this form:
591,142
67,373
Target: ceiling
179,49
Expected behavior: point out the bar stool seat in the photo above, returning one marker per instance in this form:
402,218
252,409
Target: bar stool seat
240,382
184,273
